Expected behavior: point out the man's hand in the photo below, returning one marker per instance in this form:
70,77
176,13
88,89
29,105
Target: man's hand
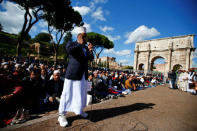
51,99
90,47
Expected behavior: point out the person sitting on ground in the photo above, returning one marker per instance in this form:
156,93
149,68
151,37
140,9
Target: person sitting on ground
18,74
129,84
44,76
98,87
54,88
10,98
33,90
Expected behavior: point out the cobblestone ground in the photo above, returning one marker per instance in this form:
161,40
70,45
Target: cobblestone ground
153,109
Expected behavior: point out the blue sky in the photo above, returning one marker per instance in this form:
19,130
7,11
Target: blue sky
122,21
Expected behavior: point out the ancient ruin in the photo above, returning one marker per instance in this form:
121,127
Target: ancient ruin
176,50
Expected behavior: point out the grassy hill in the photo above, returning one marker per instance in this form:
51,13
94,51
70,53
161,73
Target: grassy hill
8,43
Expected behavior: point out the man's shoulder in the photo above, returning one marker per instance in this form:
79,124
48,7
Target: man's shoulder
72,42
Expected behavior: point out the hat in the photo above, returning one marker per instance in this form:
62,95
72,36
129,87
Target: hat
4,63
18,65
81,29
56,71
59,67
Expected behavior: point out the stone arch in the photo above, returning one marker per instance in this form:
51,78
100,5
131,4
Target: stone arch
175,50
141,66
177,67
154,59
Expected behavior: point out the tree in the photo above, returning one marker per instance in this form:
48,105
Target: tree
68,38
27,37
1,27
99,42
45,37
128,67
61,17
33,13
62,47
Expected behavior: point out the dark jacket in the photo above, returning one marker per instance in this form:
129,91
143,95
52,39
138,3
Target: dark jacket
54,88
78,61
172,76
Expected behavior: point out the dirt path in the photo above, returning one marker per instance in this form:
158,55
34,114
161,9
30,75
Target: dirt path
154,109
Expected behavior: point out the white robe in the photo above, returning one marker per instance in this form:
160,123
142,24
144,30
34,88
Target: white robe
190,76
74,96
183,81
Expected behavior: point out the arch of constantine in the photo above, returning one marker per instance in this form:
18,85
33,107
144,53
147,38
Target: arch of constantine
175,50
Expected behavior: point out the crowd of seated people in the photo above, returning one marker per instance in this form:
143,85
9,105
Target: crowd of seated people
32,86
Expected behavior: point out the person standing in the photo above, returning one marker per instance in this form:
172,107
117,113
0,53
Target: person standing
74,94
172,79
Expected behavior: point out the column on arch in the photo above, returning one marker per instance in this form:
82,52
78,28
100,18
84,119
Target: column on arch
170,55
147,66
188,58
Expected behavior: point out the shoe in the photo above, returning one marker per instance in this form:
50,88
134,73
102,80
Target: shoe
84,115
62,120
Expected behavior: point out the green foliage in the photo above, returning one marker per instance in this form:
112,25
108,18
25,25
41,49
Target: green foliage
176,67
7,35
53,14
33,13
45,37
67,38
99,40
27,37
1,27
128,67
61,22
24,51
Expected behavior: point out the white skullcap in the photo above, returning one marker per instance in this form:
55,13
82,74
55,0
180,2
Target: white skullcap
4,63
18,65
56,72
81,29
95,72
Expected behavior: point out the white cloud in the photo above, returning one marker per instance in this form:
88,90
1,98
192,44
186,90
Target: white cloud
106,28
43,24
83,10
93,2
113,38
98,14
141,33
100,1
12,18
118,53
76,29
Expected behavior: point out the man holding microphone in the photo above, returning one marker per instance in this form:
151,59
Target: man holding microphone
74,94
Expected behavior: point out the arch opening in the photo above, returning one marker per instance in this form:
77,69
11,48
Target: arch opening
158,64
141,67
177,67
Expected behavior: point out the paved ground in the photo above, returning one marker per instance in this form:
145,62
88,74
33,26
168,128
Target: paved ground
154,109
